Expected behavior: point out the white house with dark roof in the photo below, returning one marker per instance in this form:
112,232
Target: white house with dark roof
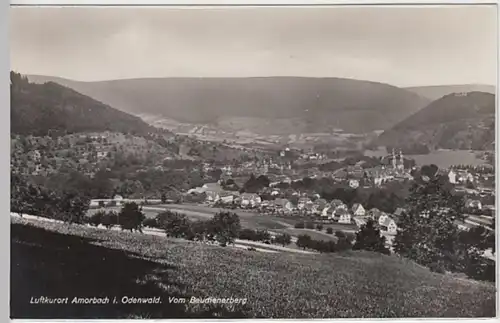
283,205
338,204
302,202
358,210
389,225
342,216
250,199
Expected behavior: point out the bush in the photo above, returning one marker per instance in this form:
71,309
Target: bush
96,218
300,225
175,224
304,241
150,222
109,219
343,244
198,231
283,239
309,225
319,227
437,267
340,234
350,237
262,235
329,230
247,234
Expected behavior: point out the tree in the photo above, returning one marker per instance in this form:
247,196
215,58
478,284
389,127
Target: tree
283,239
225,227
303,241
109,219
175,224
427,233
19,194
131,217
96,218
319,227
339,234
150,222
72,206
329,230
198,230
369,238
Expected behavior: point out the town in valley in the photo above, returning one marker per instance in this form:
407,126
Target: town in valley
180,164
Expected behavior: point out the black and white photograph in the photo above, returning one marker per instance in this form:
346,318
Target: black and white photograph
246,162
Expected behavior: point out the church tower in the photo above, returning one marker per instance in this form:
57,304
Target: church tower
401,160
394,161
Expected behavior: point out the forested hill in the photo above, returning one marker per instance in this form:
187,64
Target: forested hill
296,105
437,92
40,109
456,121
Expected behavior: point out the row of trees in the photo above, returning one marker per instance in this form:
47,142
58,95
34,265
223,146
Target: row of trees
28,198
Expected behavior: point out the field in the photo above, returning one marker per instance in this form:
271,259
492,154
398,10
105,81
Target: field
61,260
250,220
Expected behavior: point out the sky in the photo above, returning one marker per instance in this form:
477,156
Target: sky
402,46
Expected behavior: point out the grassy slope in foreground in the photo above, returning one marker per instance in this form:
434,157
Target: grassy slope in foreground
69,260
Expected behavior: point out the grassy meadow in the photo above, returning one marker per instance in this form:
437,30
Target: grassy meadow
61,260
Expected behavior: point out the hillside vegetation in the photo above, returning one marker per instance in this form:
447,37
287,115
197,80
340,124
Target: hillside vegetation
455,122
59,260
301,105
438,91
40,109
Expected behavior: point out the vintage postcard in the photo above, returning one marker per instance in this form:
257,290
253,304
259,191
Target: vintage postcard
253,162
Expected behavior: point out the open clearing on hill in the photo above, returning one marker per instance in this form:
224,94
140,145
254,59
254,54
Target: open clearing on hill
61,260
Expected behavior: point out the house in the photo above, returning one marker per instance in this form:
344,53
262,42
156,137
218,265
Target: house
118,199
399,212
452,177
342,216
473,204
353,183
302,202
389,225
226,197
310,208
374,214
320,204
328,211
358,210
338,204
382,219
283,205
250,200
212,196
275,192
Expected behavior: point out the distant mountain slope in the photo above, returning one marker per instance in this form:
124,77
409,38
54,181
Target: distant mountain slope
37,109
455,121
301,105
437,92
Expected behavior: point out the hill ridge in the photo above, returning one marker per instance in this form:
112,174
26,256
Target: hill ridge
309,104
